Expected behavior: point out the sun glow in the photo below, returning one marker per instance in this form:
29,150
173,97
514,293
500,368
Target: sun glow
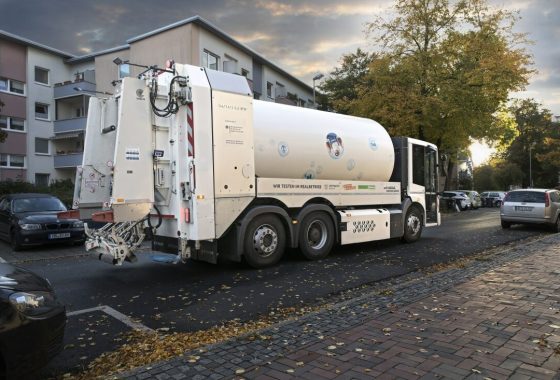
481,152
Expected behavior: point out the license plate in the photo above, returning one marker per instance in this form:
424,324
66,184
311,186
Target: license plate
523,208
59,236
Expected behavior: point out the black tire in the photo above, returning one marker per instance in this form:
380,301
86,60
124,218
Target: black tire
15,241
316,236
506,225
556,226
265,241
498,203
413,225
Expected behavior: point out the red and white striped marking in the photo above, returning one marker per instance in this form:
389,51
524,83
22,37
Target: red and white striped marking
190,130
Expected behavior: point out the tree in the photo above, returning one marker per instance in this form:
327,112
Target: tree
341,87
484,178
536,147
443,73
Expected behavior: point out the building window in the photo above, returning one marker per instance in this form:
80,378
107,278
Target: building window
210,60
41,145
269,89
301,102
13,86
124,70
244,72
12,161
12,123
42,111
42,179
280,90
41,75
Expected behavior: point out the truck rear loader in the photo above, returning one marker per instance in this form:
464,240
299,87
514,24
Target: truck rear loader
216,173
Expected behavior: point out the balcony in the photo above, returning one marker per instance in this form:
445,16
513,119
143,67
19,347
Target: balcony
70,125
85,80
70,160
66,89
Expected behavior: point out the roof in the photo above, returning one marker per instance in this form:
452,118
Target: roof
25,41
217,31
91,56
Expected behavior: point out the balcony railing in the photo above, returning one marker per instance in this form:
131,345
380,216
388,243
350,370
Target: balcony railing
63,90
68,160
70,125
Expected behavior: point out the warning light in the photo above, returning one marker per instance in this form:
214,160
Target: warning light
187,215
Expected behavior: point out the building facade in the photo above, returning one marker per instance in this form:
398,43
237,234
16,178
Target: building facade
46,91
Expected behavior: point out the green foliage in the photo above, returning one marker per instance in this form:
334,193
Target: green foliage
484,178
444,72
341,87
537,138
62,189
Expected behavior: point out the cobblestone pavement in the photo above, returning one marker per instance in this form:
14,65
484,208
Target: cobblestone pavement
498,317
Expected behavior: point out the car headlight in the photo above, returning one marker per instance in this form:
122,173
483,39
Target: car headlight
30,226
78,224
32,304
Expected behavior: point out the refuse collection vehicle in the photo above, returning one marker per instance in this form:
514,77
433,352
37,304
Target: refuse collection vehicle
215,173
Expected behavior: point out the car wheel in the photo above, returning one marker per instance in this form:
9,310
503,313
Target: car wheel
498,203
506,225
15,241
412,225
556,226
316,236
265,241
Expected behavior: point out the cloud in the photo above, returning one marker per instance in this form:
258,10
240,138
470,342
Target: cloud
302,37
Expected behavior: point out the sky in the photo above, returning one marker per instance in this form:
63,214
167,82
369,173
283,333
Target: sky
304,37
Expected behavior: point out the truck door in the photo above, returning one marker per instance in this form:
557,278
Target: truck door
424,173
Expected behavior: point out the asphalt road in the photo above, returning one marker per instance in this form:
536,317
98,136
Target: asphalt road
198,295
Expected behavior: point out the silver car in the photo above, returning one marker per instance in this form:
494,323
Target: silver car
535,206
476,202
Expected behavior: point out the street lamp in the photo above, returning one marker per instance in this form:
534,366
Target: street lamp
530,167
316,77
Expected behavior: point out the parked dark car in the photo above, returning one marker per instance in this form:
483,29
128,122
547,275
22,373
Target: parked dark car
32,322
31,219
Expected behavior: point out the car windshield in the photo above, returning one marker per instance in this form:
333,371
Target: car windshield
525,196
38,204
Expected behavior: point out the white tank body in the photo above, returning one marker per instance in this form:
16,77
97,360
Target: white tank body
295,142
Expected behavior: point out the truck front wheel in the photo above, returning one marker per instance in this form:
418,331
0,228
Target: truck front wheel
265,241
412,225
316,236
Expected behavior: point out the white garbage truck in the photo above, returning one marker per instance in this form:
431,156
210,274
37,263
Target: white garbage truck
188,154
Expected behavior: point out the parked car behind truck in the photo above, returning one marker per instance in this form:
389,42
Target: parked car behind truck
476,201
532,206
492,198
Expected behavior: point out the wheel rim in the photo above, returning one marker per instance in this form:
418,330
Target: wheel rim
413,224
265,240
317,234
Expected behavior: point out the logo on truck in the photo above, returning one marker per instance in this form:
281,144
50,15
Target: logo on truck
334,146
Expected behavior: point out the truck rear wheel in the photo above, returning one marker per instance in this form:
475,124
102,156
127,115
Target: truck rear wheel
316,236
265,241
412,225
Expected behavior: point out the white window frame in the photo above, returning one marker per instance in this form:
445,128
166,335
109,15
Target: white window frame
9,160
9,85
9,124
209,53
48,112
42,153
48,76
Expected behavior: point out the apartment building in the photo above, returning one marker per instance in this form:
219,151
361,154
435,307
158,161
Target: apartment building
45,91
